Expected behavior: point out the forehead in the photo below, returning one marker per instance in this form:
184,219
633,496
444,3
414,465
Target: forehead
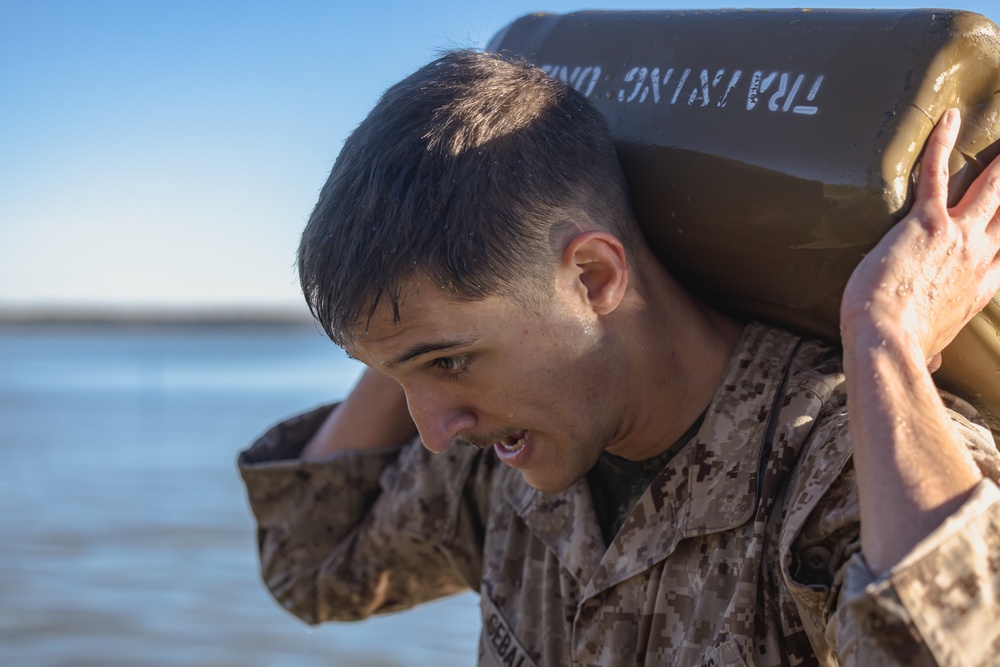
426,314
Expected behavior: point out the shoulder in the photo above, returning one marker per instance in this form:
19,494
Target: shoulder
821,497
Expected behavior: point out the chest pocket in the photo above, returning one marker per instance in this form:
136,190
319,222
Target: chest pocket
727,655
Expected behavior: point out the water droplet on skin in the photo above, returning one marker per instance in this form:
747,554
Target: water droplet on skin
951,250
868,305
903,289
882,261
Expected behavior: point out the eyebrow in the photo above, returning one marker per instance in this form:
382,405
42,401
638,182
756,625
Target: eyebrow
426,348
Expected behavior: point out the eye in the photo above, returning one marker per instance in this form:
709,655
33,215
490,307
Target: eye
453,366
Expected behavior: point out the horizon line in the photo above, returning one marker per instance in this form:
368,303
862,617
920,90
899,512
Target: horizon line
153,315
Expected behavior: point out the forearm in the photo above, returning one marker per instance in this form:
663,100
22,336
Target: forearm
912,471
938,606
306,511
352,536
373,416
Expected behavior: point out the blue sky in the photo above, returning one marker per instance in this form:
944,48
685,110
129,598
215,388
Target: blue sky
165,154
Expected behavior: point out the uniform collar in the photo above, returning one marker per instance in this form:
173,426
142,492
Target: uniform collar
709,486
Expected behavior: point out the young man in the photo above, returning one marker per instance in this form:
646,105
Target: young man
625,476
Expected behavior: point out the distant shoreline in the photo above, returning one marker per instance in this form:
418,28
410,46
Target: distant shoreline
16,317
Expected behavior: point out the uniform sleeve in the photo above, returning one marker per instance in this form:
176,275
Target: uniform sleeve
941,604
364,532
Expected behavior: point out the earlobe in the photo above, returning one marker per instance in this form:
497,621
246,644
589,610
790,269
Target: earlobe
597,263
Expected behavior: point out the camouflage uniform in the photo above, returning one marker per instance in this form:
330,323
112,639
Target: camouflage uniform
743,551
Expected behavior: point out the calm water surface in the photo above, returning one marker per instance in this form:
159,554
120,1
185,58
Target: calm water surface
126,538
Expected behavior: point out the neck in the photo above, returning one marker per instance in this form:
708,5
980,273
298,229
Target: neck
677,350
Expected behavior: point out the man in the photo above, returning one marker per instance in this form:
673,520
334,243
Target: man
624,475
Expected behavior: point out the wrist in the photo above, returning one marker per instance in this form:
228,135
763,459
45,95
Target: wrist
870,339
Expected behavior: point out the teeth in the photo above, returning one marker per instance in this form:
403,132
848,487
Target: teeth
512,445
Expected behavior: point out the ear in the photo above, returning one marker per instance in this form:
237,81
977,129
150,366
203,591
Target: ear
595,263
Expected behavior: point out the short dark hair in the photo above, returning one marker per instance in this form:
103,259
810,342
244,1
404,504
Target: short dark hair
463,171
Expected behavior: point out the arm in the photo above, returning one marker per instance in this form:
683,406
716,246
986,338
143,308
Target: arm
924,590
374,415
905,302
355,527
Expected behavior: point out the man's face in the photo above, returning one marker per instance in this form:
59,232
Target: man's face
537,388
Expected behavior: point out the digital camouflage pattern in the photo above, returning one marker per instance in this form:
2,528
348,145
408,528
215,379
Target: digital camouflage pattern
743,551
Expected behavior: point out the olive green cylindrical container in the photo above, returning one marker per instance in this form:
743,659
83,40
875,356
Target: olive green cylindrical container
768,151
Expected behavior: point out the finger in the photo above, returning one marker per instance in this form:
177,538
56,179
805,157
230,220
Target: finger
933,184
982,200
990,283
934,363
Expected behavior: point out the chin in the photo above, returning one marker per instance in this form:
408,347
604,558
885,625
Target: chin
546,485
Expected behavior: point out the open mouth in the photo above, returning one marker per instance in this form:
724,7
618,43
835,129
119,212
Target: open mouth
512,443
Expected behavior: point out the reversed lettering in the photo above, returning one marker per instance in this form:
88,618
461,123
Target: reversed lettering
764,91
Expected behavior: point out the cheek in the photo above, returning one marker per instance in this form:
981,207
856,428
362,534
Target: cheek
551,366
528,390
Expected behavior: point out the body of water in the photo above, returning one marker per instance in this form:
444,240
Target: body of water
126,537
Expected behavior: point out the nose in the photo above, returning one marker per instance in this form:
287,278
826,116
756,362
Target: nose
439,419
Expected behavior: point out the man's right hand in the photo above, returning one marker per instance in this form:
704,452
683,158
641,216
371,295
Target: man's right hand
374,415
